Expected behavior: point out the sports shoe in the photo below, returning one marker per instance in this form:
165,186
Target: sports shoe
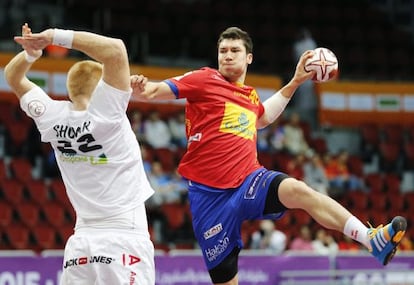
385,239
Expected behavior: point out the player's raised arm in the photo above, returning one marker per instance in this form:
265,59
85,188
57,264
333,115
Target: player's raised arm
275,105
111,52
15,71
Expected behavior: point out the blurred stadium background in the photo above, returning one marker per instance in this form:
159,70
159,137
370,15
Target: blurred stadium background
369,112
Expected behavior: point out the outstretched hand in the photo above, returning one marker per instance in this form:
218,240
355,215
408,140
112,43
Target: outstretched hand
138,83
34,43
301,75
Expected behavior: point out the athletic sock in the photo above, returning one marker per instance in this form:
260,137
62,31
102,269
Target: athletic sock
356,230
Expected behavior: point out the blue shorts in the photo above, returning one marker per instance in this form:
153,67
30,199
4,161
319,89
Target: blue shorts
218,214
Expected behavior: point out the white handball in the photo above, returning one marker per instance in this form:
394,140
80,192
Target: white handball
324,63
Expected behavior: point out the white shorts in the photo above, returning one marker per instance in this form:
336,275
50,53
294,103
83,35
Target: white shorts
109,256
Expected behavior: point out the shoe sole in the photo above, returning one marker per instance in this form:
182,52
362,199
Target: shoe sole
399,224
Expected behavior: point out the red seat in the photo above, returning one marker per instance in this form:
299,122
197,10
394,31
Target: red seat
13,191
18,236
362,215
396,204
393,133
409,201
3,171
18,132
375,182
409,155
392,183
21,169
6,214
356,165
319,145
357,200
389,156
29,214
58,191
369,134
54,214
379,218
378,202
166,157
45,237
175,215
38,191
64,232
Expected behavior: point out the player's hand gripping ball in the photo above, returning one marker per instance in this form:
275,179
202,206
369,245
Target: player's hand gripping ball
324,63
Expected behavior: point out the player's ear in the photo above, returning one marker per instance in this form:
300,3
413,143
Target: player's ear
249,58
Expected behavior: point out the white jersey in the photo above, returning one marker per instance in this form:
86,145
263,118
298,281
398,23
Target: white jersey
96,150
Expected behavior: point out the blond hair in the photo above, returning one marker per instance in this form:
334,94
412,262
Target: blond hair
83,77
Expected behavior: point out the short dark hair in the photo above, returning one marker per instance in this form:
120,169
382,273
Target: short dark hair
236,33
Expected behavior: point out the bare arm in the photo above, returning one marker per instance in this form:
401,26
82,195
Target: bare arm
275,105
15,71
110,52
15,75
143,90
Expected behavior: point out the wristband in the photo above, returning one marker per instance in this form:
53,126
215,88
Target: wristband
63,38
275,105
31,58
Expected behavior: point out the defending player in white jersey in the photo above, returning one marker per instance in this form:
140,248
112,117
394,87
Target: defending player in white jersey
97,154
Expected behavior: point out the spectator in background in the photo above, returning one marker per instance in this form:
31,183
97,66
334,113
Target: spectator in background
157,133
277,136
146,159
314,174
303,241
295,166
338,174
137,124
305,101
269,238
295,141
324,243
263,143
161,183
176,125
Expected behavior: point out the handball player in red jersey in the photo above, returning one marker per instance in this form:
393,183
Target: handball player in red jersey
226,182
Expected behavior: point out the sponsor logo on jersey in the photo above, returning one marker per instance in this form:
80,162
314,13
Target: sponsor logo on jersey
85,260
213,231
36,108
253,97
195,138
238,121
102,159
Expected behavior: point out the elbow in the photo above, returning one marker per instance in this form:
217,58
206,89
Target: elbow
117,50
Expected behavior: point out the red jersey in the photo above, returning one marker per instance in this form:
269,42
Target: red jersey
221,126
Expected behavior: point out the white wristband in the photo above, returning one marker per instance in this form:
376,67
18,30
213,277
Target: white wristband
275,105
63,38
31,58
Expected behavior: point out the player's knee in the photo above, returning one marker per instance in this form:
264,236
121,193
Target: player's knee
227,269
294,191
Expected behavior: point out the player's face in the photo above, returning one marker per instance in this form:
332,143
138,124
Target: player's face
233,60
